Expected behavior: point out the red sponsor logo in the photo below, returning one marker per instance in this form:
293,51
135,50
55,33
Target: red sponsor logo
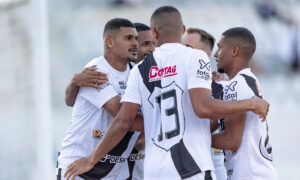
156,74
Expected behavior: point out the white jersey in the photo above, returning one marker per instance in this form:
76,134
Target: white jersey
253,159
89,123
177,141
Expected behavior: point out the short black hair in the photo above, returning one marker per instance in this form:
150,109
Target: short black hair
167,21
141,27
245,38
115,24
205,36
164,9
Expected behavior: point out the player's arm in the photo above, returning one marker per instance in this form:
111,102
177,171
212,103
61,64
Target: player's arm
206,107
213,125
114,134
113,106
199,85
231,137
87,78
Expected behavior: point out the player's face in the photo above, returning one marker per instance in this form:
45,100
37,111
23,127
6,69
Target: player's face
146,44
193,40
125,45
222,55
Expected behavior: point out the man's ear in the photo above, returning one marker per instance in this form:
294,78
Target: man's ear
109,42
154,33
235,50
183,29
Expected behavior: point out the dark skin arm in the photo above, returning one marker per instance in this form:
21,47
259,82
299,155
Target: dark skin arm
88,78
114,134
213,125
206,107
231,138
113,106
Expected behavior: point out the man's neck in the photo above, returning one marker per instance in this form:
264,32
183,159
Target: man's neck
116,63
168,40
236,69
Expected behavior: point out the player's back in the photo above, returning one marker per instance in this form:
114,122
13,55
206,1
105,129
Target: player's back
177,141
253,159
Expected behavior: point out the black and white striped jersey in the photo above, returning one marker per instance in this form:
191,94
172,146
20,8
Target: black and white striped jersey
177,141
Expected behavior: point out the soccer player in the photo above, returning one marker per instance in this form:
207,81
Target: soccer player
200,39
95,108
145,41
245,139
89,77
172,86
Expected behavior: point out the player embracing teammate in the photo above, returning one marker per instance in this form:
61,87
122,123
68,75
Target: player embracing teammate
173,86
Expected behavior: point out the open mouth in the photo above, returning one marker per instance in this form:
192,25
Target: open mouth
133,51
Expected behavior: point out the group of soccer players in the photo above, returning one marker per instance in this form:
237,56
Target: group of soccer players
151,108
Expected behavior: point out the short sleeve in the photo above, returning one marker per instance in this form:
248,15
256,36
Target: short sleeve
244,90
199,71
98,96
132,93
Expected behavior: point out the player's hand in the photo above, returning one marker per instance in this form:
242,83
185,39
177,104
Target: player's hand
78,167
140,143
216,76
90,78
261,107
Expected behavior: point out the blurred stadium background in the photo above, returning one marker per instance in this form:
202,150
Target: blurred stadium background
43,43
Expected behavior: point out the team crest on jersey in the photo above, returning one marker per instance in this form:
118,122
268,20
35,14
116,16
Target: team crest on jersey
203,71
230,93
157,74
97,134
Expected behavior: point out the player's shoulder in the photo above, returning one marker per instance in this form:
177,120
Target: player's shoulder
247,82
191,51
100,63
94,62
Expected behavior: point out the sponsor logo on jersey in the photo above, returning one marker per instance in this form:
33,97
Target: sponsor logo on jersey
113,159
230,93
97,134
157,74
136,157
203,71
203,64
103,86
123,84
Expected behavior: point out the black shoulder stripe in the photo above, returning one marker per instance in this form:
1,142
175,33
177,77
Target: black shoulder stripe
144,69
217,90
252,84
